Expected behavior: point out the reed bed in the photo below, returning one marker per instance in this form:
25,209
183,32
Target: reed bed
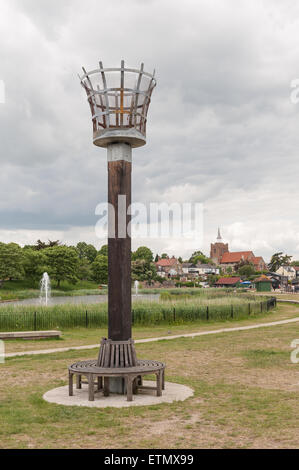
173,310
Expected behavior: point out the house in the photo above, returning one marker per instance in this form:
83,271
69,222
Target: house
169,267
297,271
205,269
233,281
263,284
287,271
221,255
196,270
186,267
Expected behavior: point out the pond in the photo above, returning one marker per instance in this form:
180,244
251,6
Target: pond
83,299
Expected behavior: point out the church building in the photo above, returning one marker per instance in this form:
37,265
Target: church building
221,256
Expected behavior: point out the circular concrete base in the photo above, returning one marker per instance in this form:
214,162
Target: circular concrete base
173,392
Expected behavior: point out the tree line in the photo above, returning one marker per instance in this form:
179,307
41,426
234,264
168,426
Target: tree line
67,263
85,262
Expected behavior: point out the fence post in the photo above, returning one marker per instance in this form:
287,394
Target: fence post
249,309
232,311
261,307
133,317
208,313
174,314
86,319
35,322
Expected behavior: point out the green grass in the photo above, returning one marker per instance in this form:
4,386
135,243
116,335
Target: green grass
236,404
262,358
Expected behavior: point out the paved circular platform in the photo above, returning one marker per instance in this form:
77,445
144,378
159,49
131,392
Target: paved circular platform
173,392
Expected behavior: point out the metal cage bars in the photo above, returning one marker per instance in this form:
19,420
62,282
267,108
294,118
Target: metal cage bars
118,107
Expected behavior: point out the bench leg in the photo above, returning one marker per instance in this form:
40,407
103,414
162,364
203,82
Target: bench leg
106,387
100,383
159,383
163,379
71,391
129,381
78,382
90,387
135,386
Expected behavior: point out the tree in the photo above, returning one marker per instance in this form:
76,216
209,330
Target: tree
143,253
11,261
199,257
100,269
34,263
277,260
104,250
180,260
42,245
62,262
246,270
164,256
212,279
86,251
157,258
84,271
143,271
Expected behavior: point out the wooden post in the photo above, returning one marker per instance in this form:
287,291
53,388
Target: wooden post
119,242
78,382
159,383
106,386
90,387
129,383
71,392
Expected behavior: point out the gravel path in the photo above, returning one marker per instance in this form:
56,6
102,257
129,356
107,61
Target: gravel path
150,340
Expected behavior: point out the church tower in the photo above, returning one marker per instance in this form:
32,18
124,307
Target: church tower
218,249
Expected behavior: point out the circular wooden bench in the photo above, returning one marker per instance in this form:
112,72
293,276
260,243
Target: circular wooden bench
132,375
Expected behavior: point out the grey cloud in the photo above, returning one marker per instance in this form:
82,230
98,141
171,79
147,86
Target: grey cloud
220,121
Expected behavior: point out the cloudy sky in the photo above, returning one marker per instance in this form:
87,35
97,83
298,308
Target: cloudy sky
222,128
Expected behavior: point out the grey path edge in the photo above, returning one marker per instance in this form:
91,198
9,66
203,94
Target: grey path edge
161,338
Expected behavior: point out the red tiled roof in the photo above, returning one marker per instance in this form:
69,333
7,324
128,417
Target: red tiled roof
296,268
236,256
228,280
257,260
166,262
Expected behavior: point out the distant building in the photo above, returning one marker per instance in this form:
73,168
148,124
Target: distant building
233,281
205,269
263,284
197,270
169,267
288,271
221,255
218,249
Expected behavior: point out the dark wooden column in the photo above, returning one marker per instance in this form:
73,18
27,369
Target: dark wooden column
119,247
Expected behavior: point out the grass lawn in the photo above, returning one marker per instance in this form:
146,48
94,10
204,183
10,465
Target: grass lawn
246,395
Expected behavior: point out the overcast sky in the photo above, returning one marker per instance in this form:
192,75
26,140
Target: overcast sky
222,129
